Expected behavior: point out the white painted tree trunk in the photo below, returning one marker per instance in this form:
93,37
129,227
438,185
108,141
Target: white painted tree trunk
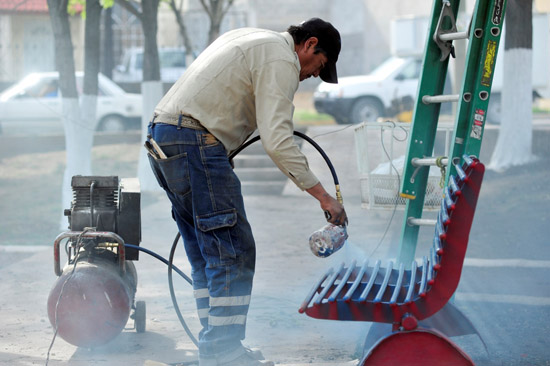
513,145
79,136
151,92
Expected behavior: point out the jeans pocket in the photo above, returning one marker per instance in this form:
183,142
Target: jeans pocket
172,173
217,240
156,171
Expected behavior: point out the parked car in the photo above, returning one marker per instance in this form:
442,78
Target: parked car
172,65
367,97
35,101
388,90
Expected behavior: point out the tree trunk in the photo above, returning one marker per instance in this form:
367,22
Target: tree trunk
69,102
183,32
151,87
91,46
88,105
216,11
108,55
215,22
83,134
64,62
151,66
514,141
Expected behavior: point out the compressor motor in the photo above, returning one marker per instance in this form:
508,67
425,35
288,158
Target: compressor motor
107,204
90,302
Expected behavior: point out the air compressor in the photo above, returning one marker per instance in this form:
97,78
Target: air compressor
92,299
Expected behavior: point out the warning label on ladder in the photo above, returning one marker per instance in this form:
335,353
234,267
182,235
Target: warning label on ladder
477,126
497,12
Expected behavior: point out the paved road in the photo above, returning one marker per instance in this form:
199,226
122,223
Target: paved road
21,144
504,290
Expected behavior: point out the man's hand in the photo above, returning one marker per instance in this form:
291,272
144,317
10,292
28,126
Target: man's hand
334,210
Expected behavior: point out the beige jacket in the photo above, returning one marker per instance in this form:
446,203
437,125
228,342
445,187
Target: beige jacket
246,80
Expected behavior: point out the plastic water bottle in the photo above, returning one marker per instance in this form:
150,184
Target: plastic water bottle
327,240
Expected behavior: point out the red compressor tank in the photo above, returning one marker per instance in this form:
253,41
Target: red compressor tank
90,302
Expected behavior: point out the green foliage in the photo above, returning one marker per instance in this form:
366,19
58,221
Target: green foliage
75,7
311,117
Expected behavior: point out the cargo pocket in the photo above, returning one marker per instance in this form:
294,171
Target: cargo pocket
172,173
216,234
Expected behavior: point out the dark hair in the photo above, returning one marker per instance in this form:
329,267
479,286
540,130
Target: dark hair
300,35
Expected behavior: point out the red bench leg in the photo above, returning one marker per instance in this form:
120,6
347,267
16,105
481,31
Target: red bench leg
420,347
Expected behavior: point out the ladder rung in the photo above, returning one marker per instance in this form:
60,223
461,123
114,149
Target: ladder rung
428,161
421,222
453,36
429,99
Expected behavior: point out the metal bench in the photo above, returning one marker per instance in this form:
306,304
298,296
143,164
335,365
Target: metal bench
404,296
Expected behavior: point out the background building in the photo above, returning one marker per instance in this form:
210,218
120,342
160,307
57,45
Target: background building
371,30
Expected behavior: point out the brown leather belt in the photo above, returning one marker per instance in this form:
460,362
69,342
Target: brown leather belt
179,120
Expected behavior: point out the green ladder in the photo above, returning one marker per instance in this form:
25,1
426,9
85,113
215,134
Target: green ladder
484,36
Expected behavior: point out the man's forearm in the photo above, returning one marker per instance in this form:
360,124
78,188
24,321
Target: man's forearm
319,193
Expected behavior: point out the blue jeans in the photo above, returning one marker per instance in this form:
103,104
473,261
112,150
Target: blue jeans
208,207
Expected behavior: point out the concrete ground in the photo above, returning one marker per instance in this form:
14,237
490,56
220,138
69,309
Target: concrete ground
505,286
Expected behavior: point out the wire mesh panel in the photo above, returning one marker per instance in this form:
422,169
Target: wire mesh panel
381,149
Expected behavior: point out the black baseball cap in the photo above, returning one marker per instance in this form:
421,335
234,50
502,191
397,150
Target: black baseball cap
329,42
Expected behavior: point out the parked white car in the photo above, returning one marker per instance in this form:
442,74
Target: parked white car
35,103
367,97
172,65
